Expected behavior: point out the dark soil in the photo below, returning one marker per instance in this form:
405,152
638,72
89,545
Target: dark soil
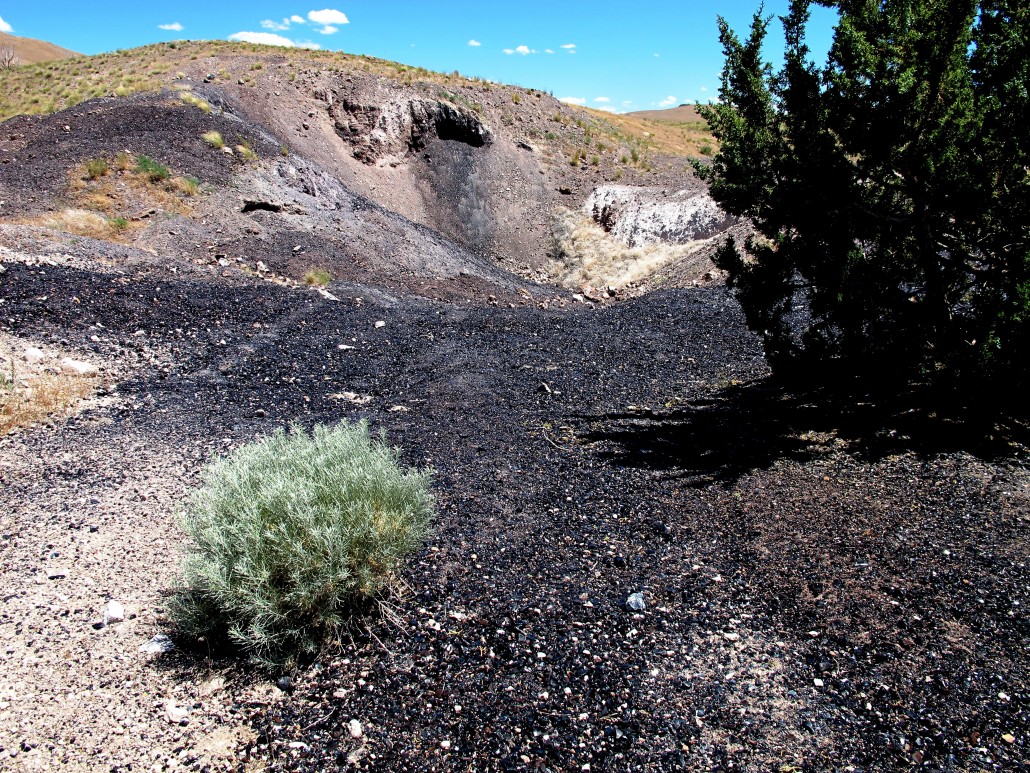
824,591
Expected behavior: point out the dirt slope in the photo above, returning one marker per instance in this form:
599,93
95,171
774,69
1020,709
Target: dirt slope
31,51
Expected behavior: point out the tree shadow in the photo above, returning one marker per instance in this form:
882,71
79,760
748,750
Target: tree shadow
751,426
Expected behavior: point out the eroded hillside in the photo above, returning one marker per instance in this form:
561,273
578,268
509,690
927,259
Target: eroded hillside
500,171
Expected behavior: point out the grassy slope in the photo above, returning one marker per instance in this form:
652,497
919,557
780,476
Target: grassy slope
49,87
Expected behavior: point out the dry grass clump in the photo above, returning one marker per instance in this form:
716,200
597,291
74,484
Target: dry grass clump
214,139
109,196
198,102
587,254
246,152
27,397
317,277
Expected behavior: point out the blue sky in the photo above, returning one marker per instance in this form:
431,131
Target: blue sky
616,56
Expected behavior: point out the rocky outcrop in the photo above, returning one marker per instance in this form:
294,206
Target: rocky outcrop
644,216
402,126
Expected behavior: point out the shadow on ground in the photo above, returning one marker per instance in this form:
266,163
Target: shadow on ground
751,426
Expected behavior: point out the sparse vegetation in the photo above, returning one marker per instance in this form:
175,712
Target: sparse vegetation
97,168
198,102
214,139
8,58
246,152
29,398
288,533
586,254
151,169
317,277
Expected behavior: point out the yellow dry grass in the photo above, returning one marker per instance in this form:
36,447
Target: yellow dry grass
28,399
690,138
590,256
47,87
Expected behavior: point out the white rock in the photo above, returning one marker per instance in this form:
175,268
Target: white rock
33,355
113,612
78,367
175,713
380,324
731,636
355,728
157,645
636,602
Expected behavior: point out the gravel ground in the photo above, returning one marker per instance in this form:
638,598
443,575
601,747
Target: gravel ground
821,590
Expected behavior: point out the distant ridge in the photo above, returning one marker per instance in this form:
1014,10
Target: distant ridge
30,50
681,114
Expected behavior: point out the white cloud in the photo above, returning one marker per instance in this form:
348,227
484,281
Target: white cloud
524,50
475,43
297,19
309,45
509,50
263,38
573,100
627,102
548,50
173,27
568,46
5,27
602,99
704,88
329,29
607,109
667,102
328,17
279,26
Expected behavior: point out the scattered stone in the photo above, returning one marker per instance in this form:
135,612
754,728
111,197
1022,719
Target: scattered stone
380,324
1008,738
54,573
33,355
731,636
636,602
355,728
818,682
114,612
77,367
445,745
175,713
284,683
157,645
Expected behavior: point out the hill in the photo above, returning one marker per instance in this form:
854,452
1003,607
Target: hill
647,554
683,114
31,51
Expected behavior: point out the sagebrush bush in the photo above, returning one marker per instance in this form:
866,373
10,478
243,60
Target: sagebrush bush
290,532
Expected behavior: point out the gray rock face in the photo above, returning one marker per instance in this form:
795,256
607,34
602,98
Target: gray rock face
405,125
644,216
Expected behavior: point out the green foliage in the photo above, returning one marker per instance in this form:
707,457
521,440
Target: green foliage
97,168
889,188
289,532
317,277
154,171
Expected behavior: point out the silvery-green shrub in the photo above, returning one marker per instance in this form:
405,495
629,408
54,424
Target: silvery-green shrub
289,533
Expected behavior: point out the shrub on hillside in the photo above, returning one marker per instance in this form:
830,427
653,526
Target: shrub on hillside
289,532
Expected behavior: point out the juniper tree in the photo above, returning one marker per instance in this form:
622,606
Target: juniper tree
889,188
